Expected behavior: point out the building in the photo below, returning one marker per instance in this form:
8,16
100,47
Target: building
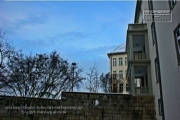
118,69
153,48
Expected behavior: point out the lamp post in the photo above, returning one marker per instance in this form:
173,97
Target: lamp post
73,66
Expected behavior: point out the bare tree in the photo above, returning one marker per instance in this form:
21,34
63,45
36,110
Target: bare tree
105,82
41,75
5,48
115,81
92,82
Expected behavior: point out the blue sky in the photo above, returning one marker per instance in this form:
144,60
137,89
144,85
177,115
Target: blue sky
82,32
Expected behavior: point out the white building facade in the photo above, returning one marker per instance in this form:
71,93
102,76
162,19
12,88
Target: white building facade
118,69
159,21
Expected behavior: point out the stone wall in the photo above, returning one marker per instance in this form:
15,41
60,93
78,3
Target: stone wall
79,106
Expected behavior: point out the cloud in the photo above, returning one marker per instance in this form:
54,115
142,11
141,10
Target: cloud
33,20
83,32
68,29
62,41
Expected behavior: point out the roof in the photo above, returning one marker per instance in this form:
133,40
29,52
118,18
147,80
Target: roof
119,49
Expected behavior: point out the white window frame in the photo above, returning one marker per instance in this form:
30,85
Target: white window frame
121,88
120,61
114,61
126,61
121,74
114,75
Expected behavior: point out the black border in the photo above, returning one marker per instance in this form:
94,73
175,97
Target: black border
150,5
176,44
170,6
154,39
157,70
160,107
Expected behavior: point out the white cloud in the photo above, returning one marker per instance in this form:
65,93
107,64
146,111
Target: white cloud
84,32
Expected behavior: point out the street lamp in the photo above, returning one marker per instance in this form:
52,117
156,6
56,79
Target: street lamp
73,66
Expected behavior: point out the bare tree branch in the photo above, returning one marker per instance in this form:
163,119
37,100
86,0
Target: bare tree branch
92,82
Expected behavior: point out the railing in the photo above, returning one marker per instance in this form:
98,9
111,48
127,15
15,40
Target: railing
140,56
141,90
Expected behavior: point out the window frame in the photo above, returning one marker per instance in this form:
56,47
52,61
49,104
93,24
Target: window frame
114,88
127,87
126,61
121,74
176,43
120,62
153,33
160,107
114,62
157,70
114,75
121,88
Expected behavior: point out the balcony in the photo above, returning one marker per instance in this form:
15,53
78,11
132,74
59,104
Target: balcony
137,27
137,42
137,47
140,79
141,90
139,56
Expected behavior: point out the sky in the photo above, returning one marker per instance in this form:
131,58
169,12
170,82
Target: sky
82,32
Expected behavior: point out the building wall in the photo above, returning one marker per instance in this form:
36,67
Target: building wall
169,67
168,62
118,68
78,106
152,52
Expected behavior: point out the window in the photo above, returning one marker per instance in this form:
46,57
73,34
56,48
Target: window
114,61
160,107
120,74
127,87
126,62
126,74
153,31
120,62
172,3
114,75
177,42
157,70
114,88
121,88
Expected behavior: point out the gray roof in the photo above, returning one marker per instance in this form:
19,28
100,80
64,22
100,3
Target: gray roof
119,49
